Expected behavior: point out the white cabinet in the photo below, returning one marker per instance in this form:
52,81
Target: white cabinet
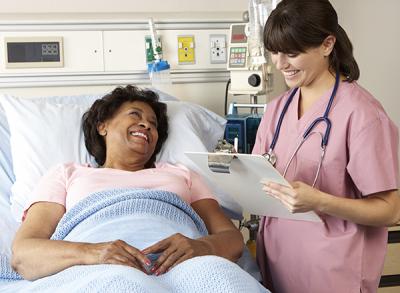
124,50
83,51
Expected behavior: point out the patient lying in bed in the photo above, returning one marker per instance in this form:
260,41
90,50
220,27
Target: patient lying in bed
130,224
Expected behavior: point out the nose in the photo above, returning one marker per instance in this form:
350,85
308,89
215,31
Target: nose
280,61
144,124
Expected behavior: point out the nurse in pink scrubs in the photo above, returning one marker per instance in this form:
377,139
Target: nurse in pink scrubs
354,188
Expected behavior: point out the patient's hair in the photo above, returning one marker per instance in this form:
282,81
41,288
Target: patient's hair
105,108
296,26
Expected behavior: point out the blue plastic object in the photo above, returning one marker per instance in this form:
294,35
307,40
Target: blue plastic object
158,66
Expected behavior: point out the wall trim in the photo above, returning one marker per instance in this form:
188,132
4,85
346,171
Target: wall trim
106,78
110,25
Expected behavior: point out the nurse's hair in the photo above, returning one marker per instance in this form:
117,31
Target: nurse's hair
106,107
298,25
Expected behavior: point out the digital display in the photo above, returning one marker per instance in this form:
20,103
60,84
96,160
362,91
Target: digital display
50,49
239,38
33,52
238,34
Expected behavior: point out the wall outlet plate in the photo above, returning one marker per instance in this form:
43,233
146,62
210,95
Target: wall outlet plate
186,50
218,49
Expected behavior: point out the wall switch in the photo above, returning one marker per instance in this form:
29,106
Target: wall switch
217,49
186,48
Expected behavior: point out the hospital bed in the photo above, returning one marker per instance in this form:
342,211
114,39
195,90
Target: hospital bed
38,133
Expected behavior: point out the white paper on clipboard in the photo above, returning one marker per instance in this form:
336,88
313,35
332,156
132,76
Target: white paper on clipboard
242,183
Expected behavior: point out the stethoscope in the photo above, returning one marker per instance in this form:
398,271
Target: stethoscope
271,156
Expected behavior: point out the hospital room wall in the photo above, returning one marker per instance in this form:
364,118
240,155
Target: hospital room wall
120,6
374,29
210,94
372,25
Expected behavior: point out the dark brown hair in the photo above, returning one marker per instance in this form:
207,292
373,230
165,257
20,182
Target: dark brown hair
298,25
105,108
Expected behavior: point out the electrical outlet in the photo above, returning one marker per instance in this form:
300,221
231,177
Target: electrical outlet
217,49
186,50
149,48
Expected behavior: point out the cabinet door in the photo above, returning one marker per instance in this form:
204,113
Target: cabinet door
83,51
124,50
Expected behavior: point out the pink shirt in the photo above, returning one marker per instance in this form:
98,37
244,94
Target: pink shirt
361,159
67,184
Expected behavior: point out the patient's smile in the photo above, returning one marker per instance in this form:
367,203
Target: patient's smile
139,134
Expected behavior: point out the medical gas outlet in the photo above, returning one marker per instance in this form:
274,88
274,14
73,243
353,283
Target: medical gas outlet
186,48
217,49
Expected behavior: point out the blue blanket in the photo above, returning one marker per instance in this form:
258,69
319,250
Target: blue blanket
140,217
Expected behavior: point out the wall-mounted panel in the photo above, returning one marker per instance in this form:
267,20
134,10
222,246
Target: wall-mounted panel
202,48
83,51
124,50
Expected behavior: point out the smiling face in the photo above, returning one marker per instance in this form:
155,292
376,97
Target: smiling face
130,135
305,69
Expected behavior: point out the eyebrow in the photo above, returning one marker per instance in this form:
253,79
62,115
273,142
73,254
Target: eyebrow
141,111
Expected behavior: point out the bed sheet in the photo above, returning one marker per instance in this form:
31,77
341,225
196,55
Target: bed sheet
8,227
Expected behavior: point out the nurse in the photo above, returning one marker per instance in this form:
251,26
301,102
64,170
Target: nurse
353,185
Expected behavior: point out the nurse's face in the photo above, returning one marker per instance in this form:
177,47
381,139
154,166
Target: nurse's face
305,69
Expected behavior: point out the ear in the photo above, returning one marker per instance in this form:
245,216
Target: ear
328,44
102,128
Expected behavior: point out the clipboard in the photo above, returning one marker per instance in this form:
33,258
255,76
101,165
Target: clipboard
239,175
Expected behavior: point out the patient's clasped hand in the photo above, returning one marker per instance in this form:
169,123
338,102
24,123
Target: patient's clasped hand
130,220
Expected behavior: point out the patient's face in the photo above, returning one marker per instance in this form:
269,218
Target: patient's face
132,132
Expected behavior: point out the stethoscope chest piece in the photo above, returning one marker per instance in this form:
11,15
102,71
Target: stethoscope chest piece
271,157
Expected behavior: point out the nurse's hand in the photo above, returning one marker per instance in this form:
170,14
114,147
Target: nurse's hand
298,198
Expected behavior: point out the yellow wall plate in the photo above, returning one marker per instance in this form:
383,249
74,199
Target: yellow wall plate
186,50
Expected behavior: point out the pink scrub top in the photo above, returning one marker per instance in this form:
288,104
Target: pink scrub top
361,159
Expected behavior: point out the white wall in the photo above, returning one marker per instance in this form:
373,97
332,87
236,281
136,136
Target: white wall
374,29
105,6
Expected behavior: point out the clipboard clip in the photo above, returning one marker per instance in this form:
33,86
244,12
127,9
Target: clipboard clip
220,160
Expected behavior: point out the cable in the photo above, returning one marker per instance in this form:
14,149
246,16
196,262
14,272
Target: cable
226,96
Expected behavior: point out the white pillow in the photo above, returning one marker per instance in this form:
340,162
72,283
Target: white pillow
194,128
42,133
47,131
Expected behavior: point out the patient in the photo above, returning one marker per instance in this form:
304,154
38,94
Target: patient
123,131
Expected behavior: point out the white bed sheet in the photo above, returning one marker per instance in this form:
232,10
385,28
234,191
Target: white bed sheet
8,227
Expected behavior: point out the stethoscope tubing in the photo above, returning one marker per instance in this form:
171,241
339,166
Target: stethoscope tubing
297,149
324,118
324,141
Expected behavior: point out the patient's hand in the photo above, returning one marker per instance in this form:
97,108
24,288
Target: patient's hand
174,250
121,253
